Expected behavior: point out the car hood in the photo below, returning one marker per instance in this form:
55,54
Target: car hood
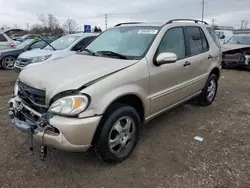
228,47
70,73
9,50
36,53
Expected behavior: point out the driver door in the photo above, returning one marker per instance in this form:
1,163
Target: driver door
169,82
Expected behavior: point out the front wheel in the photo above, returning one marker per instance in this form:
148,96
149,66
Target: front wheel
209,91
8,62
119,134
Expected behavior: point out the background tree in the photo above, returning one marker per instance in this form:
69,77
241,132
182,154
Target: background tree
100,30
42,18
49,25
70,26
5,26
97,29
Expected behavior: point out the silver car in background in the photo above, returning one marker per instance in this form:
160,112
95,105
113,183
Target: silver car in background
64,46
5,41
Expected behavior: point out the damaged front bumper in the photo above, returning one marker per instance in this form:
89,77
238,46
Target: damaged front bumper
64,133
236,60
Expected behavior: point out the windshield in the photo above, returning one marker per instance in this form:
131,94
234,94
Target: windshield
62,43
239,40
132,42
25,43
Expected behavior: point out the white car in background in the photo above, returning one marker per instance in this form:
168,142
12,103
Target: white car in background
64,46
5,41
224,35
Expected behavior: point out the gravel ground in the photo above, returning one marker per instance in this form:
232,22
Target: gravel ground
166,156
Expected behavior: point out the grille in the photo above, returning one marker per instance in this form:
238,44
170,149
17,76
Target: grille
22,62
32,97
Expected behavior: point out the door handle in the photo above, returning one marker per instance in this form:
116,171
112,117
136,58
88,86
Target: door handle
210,57
186,64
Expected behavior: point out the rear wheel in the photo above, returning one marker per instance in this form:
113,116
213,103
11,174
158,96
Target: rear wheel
8,62
209,92
119,134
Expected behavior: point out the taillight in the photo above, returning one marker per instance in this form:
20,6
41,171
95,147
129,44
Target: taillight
12,45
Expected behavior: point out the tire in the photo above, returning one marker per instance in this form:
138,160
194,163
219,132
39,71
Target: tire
207,97
8,62
115,141
248,67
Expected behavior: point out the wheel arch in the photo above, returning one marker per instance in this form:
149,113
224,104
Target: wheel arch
215,71
130,99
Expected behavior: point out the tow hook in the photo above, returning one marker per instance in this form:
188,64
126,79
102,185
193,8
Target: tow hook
44,122
43,149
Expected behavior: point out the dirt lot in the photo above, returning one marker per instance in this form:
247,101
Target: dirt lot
166,156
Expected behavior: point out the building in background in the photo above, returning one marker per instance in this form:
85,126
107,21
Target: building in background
220,27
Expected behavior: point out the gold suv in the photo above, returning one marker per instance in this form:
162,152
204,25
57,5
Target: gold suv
128,75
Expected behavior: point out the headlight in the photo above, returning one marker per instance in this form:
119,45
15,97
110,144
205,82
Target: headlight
15,89
71,105
40,58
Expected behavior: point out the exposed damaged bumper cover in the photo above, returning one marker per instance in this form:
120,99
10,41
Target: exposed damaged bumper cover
69,134
236,56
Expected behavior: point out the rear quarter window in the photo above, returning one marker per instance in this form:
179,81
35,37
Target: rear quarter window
2,38
197,40
214,36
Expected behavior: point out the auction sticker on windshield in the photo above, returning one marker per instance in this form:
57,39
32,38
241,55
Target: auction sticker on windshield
152,32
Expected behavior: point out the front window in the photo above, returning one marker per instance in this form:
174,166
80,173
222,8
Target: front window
132,42
62,43
24,43
239,40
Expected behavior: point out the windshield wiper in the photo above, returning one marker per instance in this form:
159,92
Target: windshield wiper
110,53
47,43
89,51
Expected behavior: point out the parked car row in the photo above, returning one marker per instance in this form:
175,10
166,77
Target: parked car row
101,96
62,47
47,49
8,56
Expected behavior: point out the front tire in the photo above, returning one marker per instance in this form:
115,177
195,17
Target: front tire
209,92
120,129
8,62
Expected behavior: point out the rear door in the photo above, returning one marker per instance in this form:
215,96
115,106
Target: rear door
199,56
4,42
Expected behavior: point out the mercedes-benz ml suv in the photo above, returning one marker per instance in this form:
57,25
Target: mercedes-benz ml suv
128,75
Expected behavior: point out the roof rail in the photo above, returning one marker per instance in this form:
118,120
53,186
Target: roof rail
127,23
196,21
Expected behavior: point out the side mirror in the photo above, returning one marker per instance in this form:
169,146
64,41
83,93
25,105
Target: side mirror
165,58
222,37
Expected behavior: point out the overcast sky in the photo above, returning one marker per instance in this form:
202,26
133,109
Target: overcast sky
21,12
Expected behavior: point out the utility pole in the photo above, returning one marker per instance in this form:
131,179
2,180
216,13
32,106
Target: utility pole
242,23
202,13
213,21
106,21
27,26
246,24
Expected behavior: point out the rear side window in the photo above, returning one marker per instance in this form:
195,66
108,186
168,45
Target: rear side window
214,36
197,40
205,46
2,38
